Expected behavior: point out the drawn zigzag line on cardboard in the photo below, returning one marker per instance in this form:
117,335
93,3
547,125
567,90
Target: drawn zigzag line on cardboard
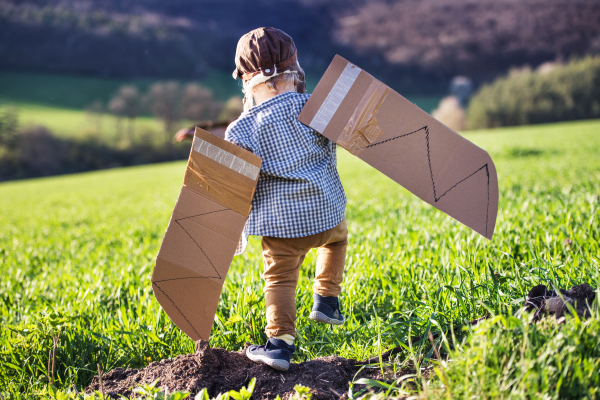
197,244
435,196
175,305
156,283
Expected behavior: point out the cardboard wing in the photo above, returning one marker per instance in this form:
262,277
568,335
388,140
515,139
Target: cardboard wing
390,133
203,233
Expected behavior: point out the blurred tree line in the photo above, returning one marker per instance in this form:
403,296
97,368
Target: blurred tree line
550,93
477,38
416,46
178,39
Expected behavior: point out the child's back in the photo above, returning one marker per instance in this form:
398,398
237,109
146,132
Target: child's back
299,192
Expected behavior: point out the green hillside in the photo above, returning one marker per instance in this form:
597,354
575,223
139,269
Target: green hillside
77,252
66,122
79,91
58,102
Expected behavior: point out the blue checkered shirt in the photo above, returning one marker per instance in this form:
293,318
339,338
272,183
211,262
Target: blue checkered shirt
299,192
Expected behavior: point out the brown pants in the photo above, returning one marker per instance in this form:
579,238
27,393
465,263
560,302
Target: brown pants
282,259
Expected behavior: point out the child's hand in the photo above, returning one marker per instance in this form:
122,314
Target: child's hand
182,134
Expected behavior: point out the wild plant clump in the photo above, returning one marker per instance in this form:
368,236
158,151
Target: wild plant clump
514,358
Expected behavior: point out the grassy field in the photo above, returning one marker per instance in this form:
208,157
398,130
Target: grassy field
76,255
70,123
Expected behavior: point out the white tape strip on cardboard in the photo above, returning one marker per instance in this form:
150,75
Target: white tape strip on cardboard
335,98
225,158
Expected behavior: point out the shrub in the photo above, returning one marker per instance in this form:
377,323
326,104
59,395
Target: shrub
549,94
451,113
40,153
232,109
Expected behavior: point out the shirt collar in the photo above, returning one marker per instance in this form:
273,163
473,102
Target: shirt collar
269,103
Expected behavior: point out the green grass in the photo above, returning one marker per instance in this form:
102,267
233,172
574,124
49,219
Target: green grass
509,357
77,252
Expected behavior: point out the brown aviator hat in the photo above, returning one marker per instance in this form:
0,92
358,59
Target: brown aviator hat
266,51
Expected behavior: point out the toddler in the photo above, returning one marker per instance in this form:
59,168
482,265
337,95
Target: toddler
299,201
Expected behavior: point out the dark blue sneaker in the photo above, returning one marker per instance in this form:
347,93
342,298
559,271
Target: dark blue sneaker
276,353
326,310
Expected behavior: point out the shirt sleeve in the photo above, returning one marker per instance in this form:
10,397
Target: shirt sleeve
235,135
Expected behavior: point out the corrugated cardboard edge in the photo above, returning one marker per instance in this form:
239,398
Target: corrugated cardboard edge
437,186
194,257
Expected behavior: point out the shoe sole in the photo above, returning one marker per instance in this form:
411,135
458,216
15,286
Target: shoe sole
280,365
324,319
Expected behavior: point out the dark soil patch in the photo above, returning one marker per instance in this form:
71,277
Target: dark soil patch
220,370
550,302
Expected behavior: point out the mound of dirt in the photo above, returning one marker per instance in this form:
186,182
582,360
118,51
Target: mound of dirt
220,370
549,302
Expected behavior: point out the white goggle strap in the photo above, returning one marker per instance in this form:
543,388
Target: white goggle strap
257,80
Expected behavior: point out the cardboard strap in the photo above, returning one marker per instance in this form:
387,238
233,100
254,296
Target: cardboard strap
362,128
226,158
220,185
335,98
218,172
